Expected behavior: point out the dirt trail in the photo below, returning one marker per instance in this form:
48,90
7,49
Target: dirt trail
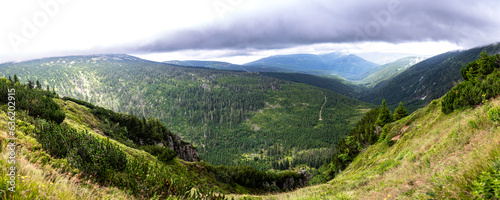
321,110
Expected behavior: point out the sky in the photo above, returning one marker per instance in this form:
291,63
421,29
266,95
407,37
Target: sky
241,31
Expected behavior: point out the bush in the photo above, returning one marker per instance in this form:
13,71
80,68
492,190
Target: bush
37,102
256,179
85,152
163,154
482,82
487,185
494,114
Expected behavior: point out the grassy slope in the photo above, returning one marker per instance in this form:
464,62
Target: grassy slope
40,175
438,156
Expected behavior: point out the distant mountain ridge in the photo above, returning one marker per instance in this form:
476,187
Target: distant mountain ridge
347,66
210,64
350,67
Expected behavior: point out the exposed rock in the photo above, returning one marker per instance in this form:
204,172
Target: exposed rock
185,151
378,130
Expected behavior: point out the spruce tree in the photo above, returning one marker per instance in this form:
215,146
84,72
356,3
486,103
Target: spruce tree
15,79
400,112
38,85
384,116
31,84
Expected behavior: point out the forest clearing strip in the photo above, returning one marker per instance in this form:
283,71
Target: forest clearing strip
321,110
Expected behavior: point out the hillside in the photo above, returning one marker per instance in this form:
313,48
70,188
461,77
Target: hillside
448,150
232,118
94,153
427,80
434,155
208,64
388,71
333,83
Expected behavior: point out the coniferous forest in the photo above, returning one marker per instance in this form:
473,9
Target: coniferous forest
231,117
244,132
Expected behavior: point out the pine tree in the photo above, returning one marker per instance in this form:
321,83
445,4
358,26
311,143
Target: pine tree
400,112
31,84
38,85
10,79
15,79
384,116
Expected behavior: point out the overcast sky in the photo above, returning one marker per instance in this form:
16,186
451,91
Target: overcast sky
240,31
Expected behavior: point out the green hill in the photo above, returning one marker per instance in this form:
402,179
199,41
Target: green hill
427,80
208,64
434,153
67,148
232,118
388,71
95,153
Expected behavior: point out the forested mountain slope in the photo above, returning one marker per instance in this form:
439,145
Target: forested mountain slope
208,64
81,151
447,150
388,71
428,155
427,80
231,117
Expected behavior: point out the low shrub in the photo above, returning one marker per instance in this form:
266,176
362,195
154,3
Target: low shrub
494,114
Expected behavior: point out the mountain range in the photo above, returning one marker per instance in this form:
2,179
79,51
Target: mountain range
350,66
261,122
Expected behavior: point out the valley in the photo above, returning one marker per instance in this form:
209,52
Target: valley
250,132
225,114
250,100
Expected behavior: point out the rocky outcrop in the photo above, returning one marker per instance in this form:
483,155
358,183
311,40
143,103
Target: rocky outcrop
185,150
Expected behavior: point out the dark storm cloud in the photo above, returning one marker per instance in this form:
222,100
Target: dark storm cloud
290,23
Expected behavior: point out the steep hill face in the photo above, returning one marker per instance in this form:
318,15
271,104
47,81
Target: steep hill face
427,80
231,117
427,155
388,71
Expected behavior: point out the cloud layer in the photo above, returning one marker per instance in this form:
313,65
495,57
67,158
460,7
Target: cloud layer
288,23
239,28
